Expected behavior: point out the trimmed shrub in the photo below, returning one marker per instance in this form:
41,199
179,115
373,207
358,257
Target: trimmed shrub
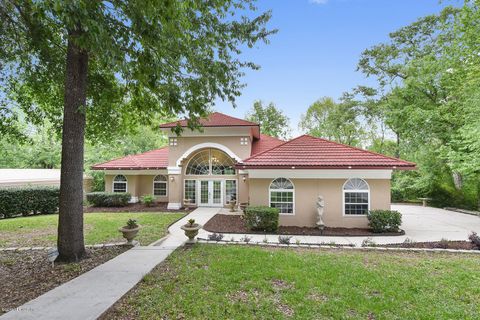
262,218
148,200
384,220
107,199
28,200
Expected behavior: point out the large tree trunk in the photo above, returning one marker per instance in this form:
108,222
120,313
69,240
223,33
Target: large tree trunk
71,245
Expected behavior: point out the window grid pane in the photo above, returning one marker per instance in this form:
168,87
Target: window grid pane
160,188
119,187
231,190
356,203
190,190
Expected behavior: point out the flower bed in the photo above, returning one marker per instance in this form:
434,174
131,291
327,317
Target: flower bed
222,223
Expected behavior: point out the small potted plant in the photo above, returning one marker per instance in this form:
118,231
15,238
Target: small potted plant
130,230
232,203
191,230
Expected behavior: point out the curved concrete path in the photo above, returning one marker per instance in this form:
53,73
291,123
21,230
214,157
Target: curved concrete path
92,293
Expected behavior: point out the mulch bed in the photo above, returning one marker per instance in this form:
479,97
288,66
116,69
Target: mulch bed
135,207
223,223
456,245
25,275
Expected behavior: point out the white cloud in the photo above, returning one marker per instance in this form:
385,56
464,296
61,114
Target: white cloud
318,1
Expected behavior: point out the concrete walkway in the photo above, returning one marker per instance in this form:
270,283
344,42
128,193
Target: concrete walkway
92,293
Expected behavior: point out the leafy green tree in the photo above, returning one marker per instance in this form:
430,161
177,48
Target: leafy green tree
338,121
95,68
273,121
427,94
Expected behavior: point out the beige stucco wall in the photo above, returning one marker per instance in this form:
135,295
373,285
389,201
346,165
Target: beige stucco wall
137,185
306,193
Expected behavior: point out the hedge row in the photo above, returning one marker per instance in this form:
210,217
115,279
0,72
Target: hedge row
28,200
108,199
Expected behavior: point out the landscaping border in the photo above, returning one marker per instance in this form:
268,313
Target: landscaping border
334,246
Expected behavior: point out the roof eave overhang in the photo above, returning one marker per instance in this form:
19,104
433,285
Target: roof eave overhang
128,168
304,167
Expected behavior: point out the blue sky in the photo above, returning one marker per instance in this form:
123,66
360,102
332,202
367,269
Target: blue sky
317,47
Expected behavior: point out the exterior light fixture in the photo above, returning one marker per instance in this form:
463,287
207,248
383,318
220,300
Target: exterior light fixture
349,167
244,178
172,178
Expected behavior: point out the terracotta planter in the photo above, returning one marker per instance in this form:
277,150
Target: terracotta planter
191,231
129,234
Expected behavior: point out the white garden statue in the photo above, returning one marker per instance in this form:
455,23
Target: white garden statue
320,205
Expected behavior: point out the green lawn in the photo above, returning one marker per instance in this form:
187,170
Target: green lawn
236,282
99,228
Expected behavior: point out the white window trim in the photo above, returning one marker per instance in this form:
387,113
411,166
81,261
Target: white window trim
236,189
282,190
210,174
113,183
206,145
196,191
355,191
166,185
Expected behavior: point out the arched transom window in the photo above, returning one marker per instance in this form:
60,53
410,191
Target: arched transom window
160,185
356,197
120,183
210,162
282,195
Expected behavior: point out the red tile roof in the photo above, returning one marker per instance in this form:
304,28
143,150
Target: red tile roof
315,153
154,159
215,119
264,143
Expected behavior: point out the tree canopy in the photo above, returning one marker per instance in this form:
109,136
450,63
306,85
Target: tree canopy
97,68
272,120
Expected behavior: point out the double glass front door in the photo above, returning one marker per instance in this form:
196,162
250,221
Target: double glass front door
210,193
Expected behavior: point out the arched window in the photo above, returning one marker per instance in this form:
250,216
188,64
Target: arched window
210,162
120,183
356,197
282,195
160,185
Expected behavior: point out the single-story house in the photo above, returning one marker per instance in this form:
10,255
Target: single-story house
231,160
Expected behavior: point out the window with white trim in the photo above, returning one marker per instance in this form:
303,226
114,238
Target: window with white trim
160,185
120,183
210,162
244,141
173,141
230,190
282,195
356,197
190,190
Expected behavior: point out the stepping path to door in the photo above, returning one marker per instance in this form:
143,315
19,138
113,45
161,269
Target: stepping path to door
92,293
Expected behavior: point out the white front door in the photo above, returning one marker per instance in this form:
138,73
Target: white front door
210,192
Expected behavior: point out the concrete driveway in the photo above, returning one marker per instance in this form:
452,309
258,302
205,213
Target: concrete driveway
433,224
